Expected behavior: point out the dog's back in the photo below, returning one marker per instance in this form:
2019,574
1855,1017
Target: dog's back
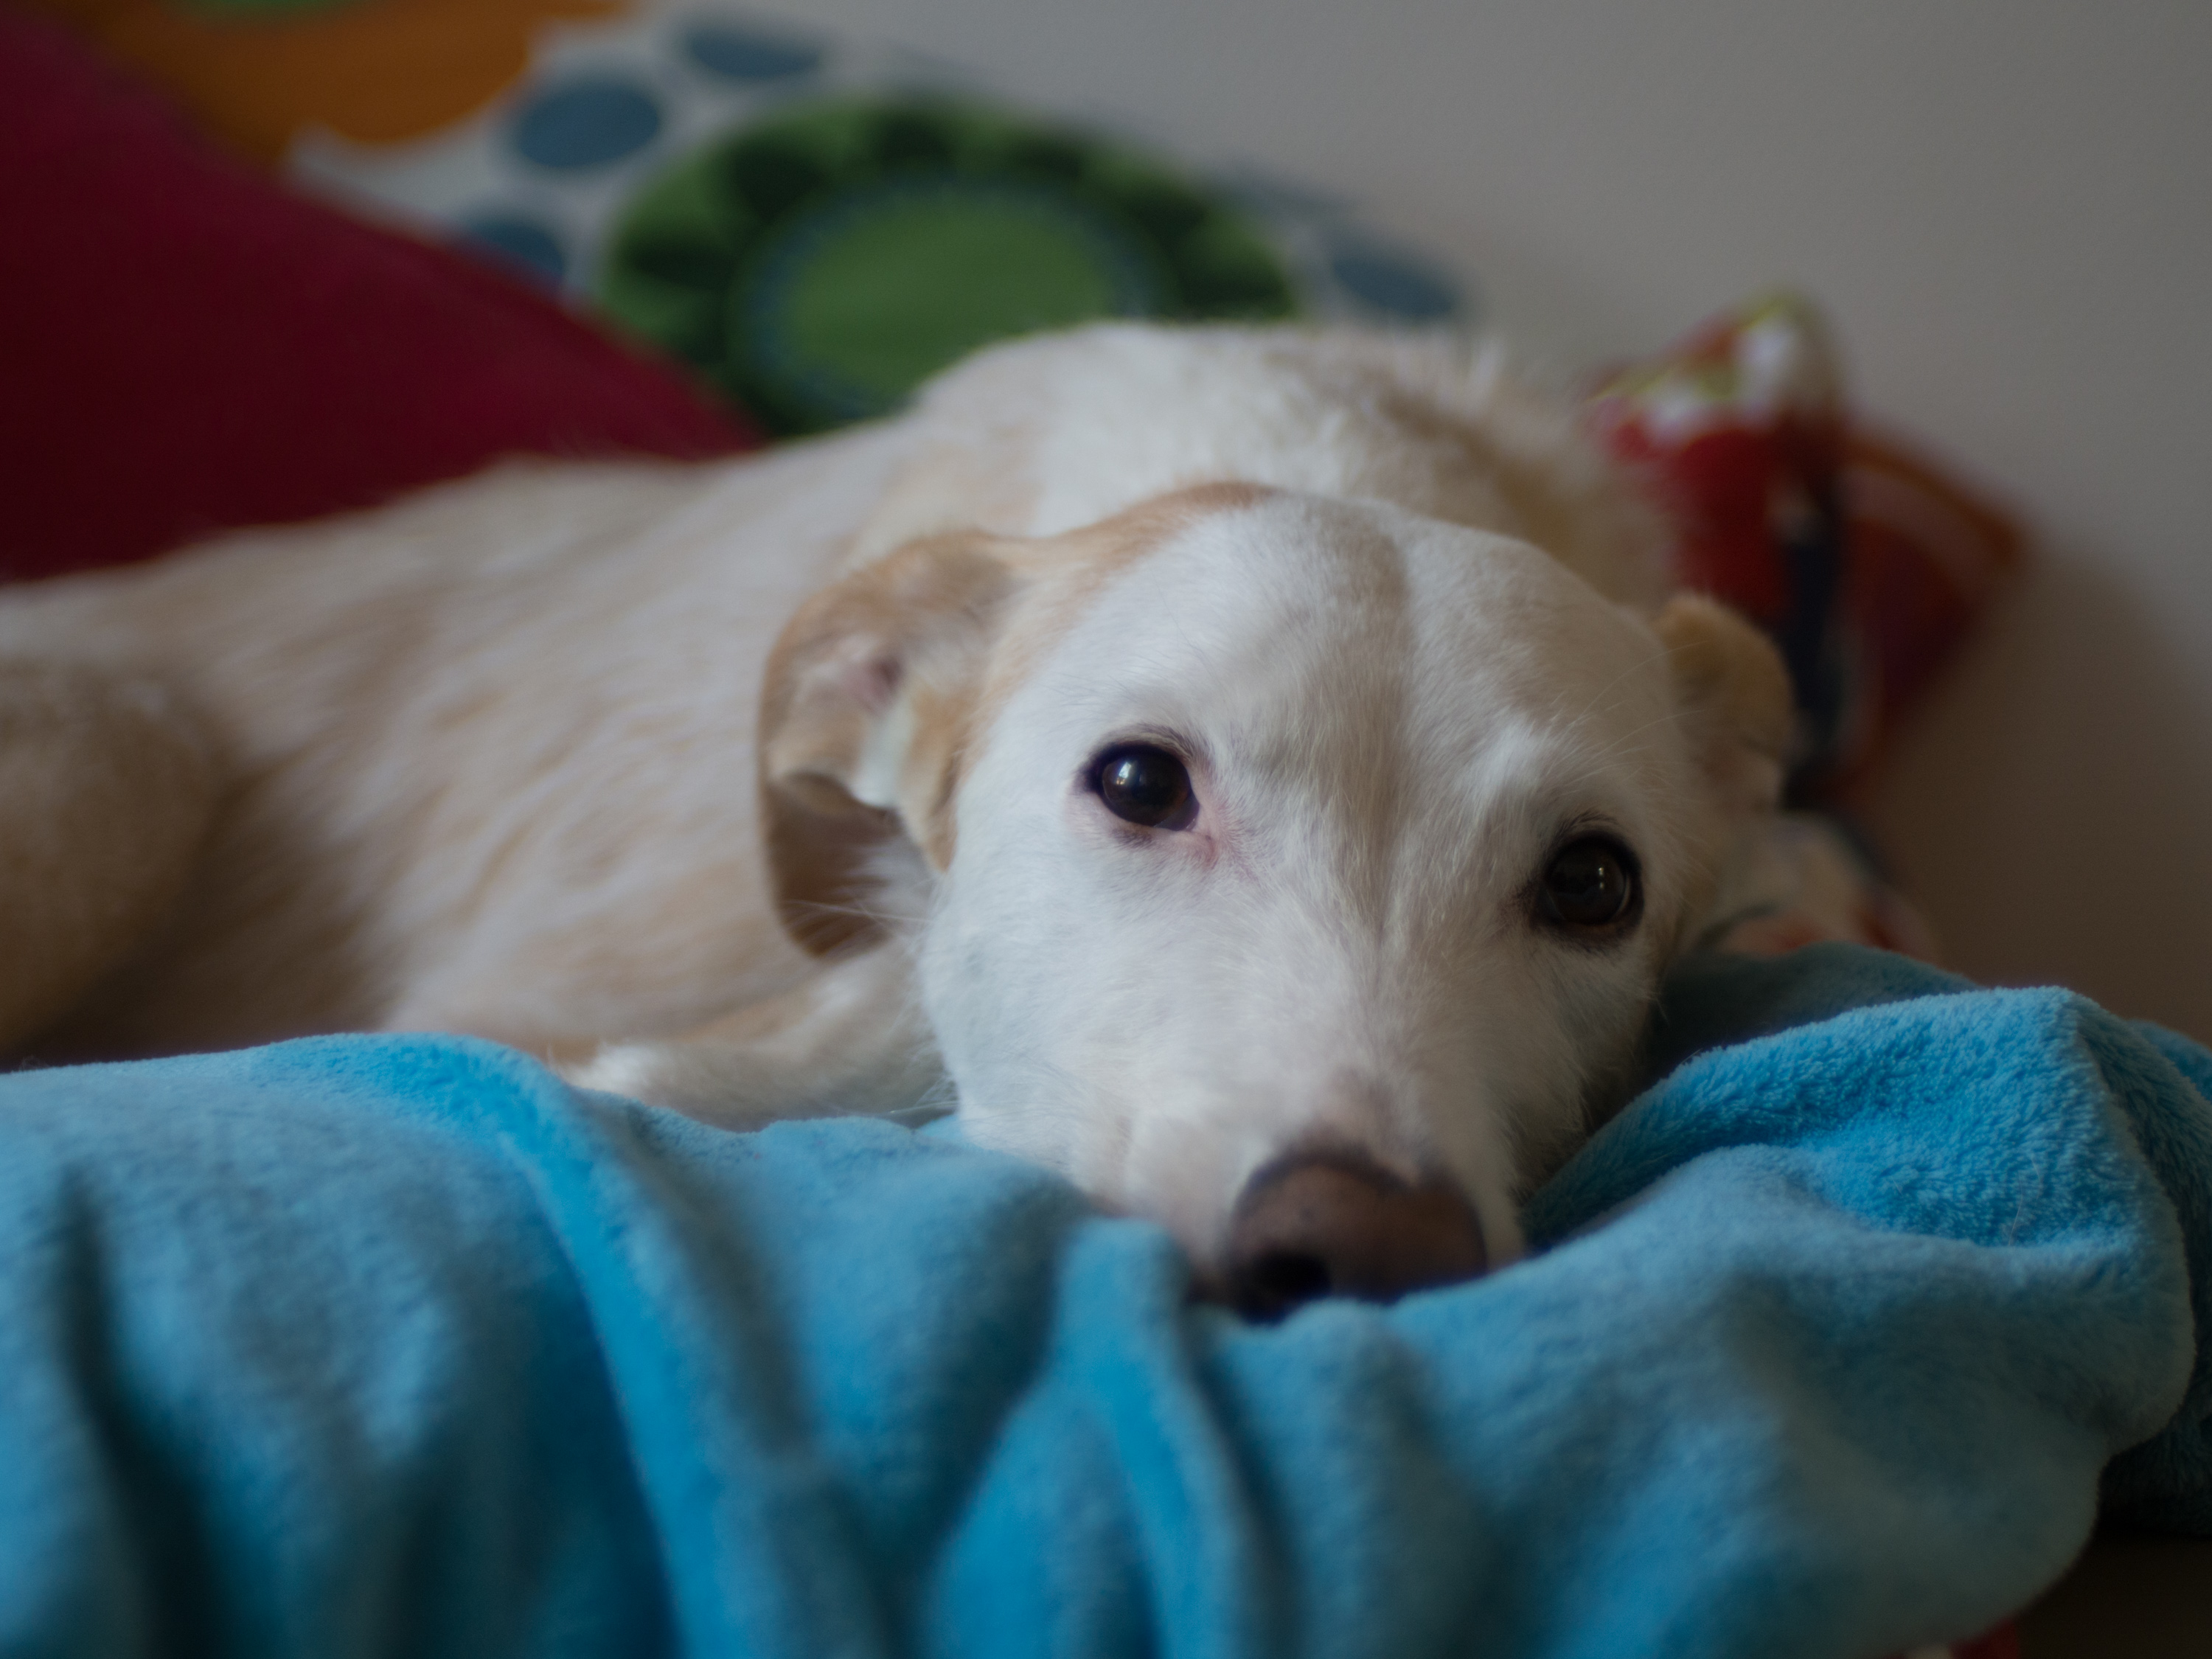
485,757
484,754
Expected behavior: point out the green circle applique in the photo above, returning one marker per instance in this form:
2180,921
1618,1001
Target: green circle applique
819,265
890,285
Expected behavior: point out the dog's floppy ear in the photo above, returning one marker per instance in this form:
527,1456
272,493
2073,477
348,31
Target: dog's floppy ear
864,718
1735,697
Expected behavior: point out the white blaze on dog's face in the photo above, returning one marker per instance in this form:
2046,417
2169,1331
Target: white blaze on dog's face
1280,827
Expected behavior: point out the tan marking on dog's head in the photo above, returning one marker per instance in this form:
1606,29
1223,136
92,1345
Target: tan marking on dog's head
1067,573
876,685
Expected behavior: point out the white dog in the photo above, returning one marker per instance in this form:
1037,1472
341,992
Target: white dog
1253,767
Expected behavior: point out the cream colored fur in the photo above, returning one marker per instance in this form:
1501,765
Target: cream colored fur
496,759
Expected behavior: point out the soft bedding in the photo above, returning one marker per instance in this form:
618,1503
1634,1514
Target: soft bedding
1836,1339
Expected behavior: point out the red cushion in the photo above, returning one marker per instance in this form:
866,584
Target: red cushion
1867,563
188,347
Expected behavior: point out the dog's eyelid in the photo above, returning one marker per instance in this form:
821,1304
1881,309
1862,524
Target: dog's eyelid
1191,755
1152,737
1586,826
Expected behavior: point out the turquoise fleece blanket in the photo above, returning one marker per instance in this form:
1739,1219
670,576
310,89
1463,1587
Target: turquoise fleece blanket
398,1346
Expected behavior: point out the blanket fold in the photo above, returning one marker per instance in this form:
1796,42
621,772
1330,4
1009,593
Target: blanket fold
377,1345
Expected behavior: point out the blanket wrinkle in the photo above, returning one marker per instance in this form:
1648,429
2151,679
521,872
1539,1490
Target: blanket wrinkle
1834,1343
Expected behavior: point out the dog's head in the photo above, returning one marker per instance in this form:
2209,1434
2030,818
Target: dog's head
1301,872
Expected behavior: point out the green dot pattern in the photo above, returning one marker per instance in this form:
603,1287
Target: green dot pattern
817,265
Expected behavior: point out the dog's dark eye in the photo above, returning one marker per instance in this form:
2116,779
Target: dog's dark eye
1145,785
1589,883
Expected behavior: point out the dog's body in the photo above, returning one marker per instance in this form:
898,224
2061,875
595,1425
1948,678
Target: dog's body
485,755
505,758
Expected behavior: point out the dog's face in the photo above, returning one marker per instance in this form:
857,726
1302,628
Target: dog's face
1305,870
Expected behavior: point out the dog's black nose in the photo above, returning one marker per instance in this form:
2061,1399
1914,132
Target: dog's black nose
1335,1223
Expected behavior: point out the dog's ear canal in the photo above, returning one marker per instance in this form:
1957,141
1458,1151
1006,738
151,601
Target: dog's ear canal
1734,692
864,718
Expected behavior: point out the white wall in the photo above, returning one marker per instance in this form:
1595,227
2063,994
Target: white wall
2007,205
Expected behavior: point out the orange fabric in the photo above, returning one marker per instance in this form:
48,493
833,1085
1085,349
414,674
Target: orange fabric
376,72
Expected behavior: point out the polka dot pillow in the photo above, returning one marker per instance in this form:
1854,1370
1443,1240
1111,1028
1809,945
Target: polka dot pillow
812,228
816,227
